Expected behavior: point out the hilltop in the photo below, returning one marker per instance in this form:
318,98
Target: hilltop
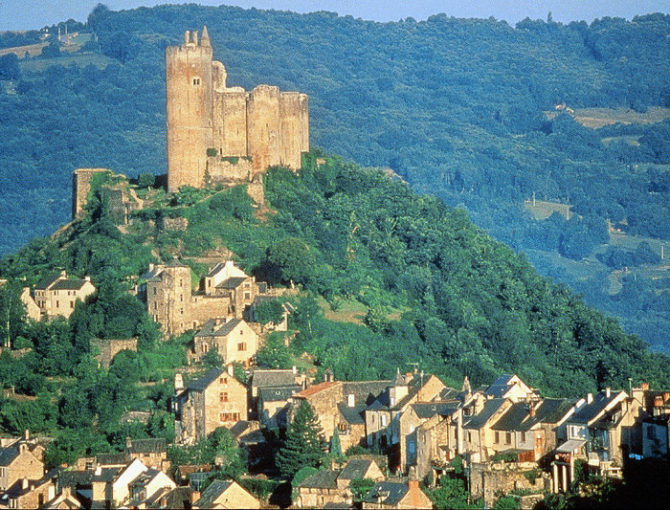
458,108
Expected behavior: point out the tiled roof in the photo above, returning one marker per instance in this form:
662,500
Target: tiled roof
355,468
267,378
210,328
325,479
352,415
513,417
211,493
313,390
500,386
587,412
69,284
210,376
47,280
231,283
152,445
278,393
7,455
429,409
390,492
365,392
551,410
490,408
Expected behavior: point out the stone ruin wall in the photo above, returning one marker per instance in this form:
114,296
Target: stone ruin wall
81,185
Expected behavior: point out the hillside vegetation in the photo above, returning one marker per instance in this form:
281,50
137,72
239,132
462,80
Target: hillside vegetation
455,107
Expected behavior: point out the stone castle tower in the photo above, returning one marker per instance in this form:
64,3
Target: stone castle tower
222,133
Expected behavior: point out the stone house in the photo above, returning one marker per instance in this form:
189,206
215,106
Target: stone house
272,405
382,417
226,494
20,461
282,325
233,339
477,434
56,294
214,400
26,493
396,495
226,291
151,452
111,347
270,393
63,501
410,422
147,485
32,310
656,436
332,486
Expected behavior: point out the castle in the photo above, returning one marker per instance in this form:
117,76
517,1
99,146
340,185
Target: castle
225,134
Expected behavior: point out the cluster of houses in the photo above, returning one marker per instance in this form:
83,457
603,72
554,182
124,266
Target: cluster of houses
416,425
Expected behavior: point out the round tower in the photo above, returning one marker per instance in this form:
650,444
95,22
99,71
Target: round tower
188,70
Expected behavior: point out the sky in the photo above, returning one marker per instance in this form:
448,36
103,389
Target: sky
34,14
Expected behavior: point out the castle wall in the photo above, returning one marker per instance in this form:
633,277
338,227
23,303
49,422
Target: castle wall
234,119
263,127
290,106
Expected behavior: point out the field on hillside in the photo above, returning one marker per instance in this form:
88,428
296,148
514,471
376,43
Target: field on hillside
595,118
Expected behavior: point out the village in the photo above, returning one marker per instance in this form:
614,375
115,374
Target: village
380,443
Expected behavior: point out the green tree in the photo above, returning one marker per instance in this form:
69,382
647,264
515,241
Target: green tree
270,310
274,354
303,446
335,444
12,312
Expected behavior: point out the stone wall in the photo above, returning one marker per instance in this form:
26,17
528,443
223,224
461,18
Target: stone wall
110,348
490,480
81,185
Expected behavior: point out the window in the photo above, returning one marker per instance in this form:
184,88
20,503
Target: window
469,437
57,304
342,427
497,439
508,438
230,417
154,291
223,380
71,304
247,295
383,420
242,346
196,81
411,447
223,396
523,437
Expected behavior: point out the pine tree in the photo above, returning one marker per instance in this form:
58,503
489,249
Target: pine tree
335,445
303,446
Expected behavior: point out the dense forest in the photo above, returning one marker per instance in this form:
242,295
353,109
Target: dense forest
455,107
433,290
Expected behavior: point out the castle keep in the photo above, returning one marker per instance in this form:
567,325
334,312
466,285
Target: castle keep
226,134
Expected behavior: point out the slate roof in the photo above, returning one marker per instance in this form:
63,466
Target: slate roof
111,459
175,263
7,455
69,284
278,393
393,492
218,267
269,378
587,412
47,280
500,386
352,415
152,445
106,475
355,468
211,493
513,417
429,409
326,479
210,376
490,408
231,283
551,410
365,392
145,477
210,328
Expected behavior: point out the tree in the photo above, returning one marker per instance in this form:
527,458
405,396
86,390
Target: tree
303,446
274,354
12,312
9,67
270,310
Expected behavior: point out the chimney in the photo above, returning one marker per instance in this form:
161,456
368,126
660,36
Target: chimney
608,392
87,278
532,410
231,369
187,37
151,266
98,469
51,494
666,396
413,484
24,483
589,398
658,401
295,370
351,400
645,386
26,435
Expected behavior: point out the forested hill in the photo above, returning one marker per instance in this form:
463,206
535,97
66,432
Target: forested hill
456,107
406,281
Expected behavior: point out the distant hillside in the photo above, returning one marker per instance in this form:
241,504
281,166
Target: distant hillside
455,107
407,280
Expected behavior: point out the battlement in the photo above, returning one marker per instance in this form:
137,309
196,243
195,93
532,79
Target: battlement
210,124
